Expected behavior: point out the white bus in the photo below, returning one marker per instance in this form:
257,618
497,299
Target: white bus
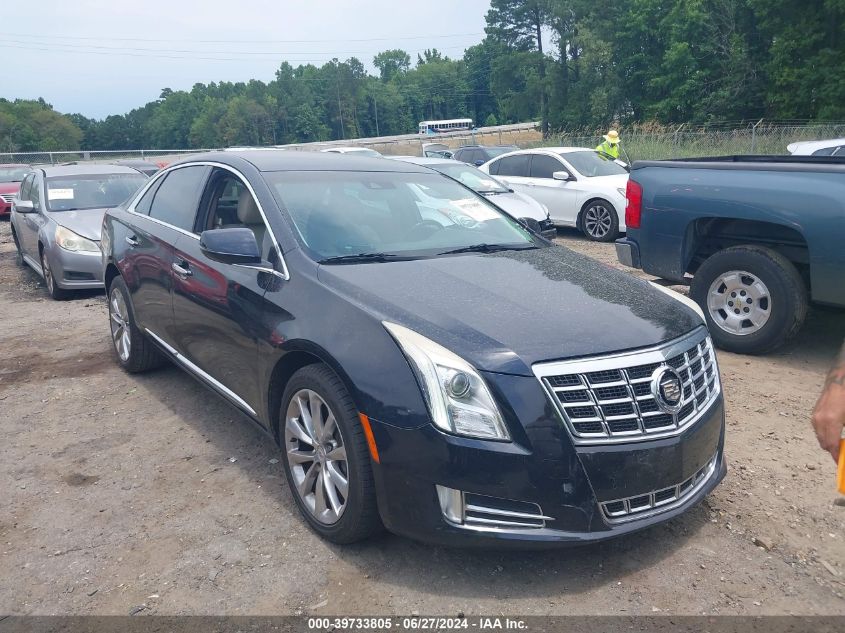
447,125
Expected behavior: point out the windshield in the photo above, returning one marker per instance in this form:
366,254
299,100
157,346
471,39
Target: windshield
473,178
91,191
340,214
13,174
592,163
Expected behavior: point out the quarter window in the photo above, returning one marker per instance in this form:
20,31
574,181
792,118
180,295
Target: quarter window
543,166
177,198
514,165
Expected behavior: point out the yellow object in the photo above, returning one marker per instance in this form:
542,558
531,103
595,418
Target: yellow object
612,137
840,472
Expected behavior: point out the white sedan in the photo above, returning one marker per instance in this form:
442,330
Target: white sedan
580,187
831,147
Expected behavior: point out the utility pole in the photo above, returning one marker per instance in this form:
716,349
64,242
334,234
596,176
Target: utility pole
375,105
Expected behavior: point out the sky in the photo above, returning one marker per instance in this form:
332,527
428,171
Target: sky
101,57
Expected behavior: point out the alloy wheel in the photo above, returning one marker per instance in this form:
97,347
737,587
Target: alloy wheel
597,220
118,316
316,456
739,302
48,274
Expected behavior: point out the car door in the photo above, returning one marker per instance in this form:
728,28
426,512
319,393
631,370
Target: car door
159,219
219,307
513,170
561,197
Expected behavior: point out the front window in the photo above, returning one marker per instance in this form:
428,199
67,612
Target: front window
473,178
13,174
390,215
91,191
592,164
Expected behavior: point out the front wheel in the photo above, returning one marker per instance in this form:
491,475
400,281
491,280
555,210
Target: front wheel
599,221
59,294
135,352
753,298
326,458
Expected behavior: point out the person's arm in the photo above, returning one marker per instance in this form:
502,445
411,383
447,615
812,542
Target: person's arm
829,414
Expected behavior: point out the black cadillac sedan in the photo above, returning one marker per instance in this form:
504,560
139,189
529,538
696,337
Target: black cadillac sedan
457,379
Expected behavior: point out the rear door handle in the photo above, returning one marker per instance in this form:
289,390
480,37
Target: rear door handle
132,240
180,270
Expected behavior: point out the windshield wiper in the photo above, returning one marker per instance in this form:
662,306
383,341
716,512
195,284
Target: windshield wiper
484,192
361,258
488,248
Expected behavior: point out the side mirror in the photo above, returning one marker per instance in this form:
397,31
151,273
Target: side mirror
230,246
479,163
562,175
24,206
531,223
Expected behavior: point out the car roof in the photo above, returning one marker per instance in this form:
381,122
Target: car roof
303,161
419,160
132,162
13,165
486,146
814,145
84,169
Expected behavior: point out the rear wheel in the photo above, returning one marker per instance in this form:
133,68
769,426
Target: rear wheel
326,458
599,221
753,298
134,351
59,294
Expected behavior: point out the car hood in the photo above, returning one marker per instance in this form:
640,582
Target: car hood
87,222
9,187
518,205
505,311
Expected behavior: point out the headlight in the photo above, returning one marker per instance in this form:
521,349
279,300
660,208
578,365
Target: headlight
457,397
621,191
70,241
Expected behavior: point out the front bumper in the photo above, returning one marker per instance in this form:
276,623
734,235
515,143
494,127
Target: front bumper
539,468
548,229
76,271
628,253
5,208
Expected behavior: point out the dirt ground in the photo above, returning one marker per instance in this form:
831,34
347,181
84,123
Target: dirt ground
147,494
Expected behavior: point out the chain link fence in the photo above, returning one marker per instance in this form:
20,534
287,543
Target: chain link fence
639,142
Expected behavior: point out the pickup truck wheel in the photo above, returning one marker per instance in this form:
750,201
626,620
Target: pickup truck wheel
325,455
599,221
753,298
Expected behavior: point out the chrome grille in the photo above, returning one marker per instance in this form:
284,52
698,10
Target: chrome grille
7,197
609,399
483,511
641,506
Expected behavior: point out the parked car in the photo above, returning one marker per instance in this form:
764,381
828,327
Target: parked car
761,235
831,147
359,151
436,150
145,167
479,154
523,208
462,384
56,221
11,176
581,188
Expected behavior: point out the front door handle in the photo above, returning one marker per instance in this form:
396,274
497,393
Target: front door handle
132,240
181,270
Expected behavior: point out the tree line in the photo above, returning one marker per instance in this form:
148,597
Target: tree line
567,63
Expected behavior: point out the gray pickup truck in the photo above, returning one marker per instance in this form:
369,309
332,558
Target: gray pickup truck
762,236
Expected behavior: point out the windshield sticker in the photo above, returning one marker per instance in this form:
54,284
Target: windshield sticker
60,194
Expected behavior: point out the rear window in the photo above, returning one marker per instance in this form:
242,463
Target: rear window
91,191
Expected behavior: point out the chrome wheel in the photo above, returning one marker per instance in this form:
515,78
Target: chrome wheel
119,317
48,274
597,220
316,456
739,302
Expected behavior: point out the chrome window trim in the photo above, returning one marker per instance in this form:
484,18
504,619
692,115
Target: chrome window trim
231,395
284,273
620,361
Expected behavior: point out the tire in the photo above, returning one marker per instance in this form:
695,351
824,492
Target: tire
598,221
59,294
358,518
134,352
760,282
18,252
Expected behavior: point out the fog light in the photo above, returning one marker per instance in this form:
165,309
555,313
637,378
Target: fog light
451,504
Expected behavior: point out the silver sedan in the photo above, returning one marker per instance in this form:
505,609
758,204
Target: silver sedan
56,220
